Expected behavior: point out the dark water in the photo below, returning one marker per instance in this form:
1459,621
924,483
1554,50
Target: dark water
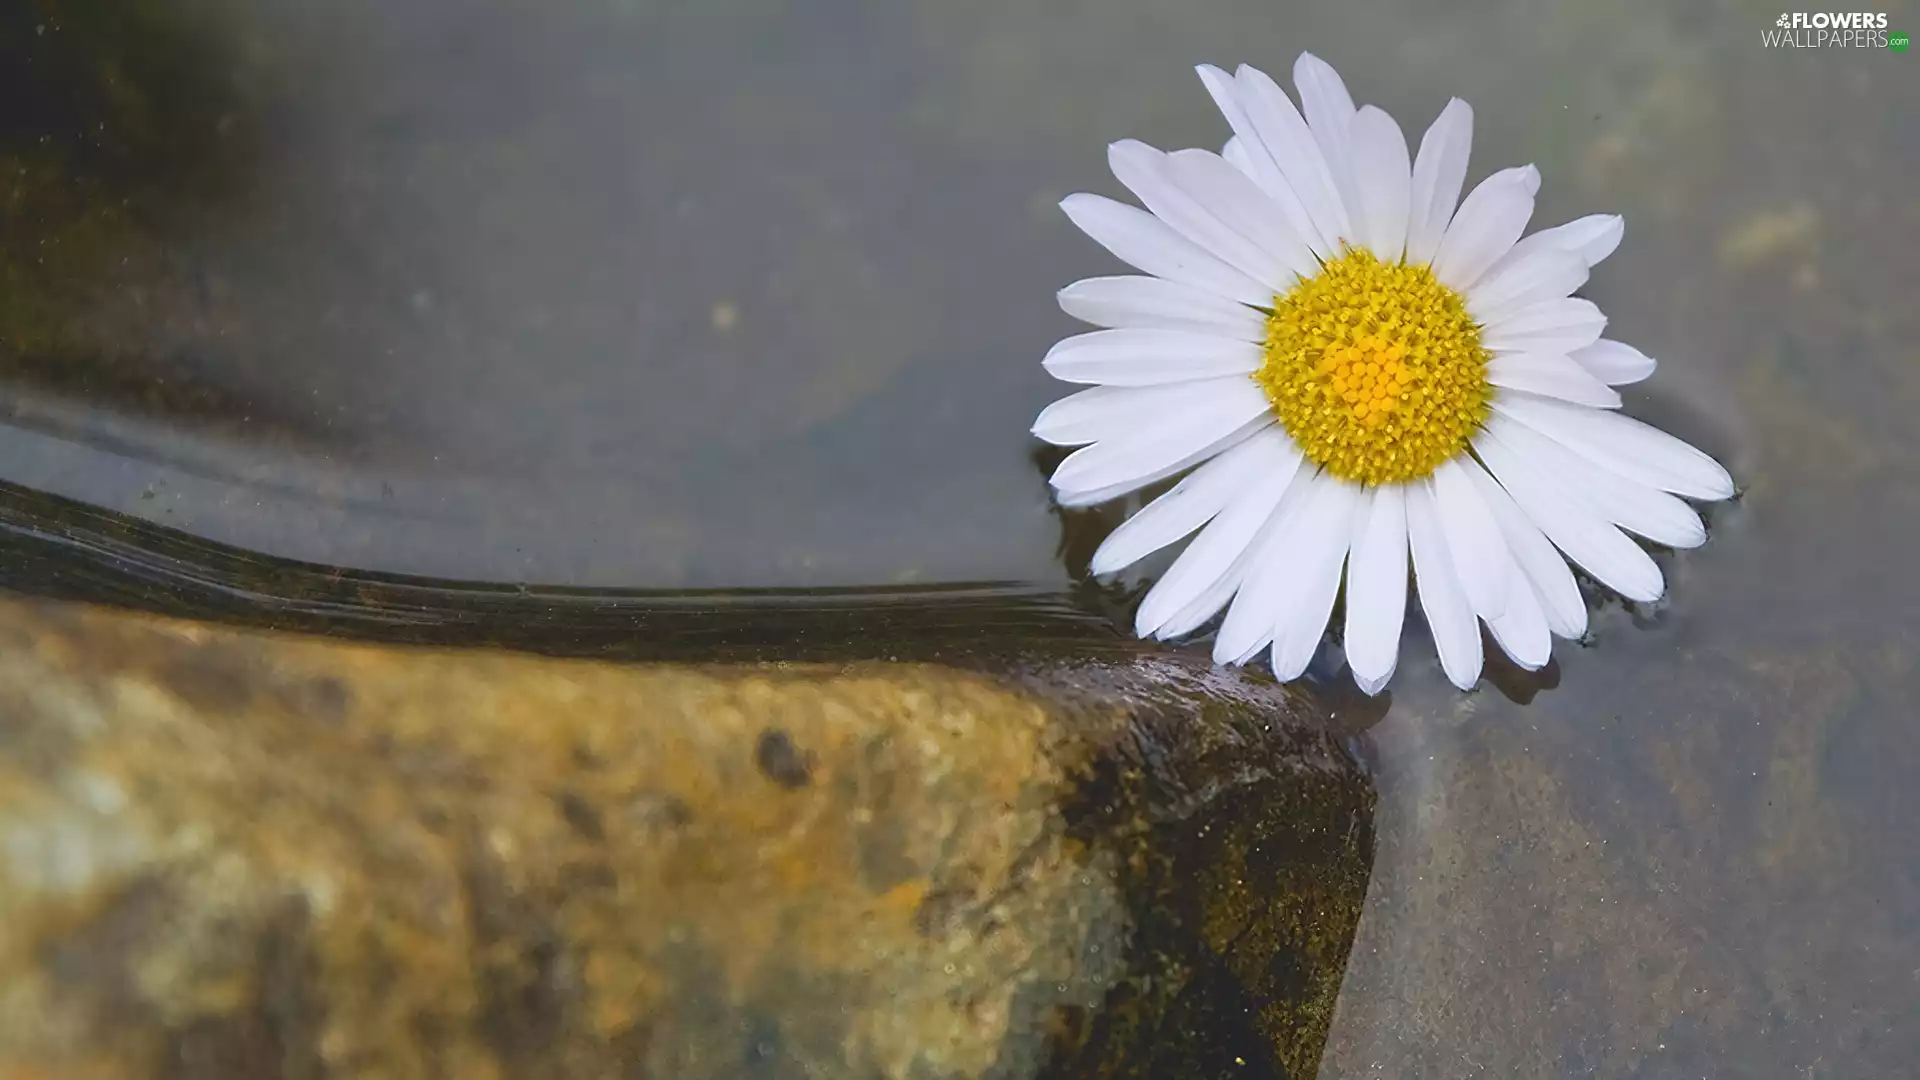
59,549
739,294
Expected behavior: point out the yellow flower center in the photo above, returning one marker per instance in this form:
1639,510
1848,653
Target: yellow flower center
1376,369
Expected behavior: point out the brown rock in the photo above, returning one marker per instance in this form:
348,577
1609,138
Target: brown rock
233,853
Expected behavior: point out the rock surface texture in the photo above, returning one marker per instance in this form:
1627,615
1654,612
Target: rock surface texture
236,853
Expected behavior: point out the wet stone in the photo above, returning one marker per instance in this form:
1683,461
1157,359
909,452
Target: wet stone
227,852
781,761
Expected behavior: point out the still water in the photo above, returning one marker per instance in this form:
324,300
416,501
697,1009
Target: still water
742,294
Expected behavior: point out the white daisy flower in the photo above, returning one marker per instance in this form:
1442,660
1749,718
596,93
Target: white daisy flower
1372,375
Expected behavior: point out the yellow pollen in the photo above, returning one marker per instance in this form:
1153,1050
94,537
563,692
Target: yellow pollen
1375,369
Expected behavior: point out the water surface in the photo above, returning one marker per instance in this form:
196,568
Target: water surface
733,294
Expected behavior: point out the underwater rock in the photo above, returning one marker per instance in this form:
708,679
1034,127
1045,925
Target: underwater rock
228,852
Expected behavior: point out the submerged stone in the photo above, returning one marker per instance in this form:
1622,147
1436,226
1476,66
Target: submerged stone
228,852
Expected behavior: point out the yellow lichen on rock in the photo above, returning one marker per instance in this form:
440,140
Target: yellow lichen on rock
402,863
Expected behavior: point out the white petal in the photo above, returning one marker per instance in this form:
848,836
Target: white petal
1614,362
1258,161
1249,624
1106,412
1473,539
1522,631
1144,242
1545,568
1519,283
1626,446
1329,111
1091,496
1216,579
1230,196
1382,179
1161,448
1377,587
1247,657
1438,171
1149,174
1572,524
1091,415
1456,633
1248,627
1315,553
1633,506
1235,153
1552,326
1323,96
1286,136
1149,357
1592,238
1490,219
1371,685
1156,304
1553,376
1192,503
1205,605
1208,602
1212,554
